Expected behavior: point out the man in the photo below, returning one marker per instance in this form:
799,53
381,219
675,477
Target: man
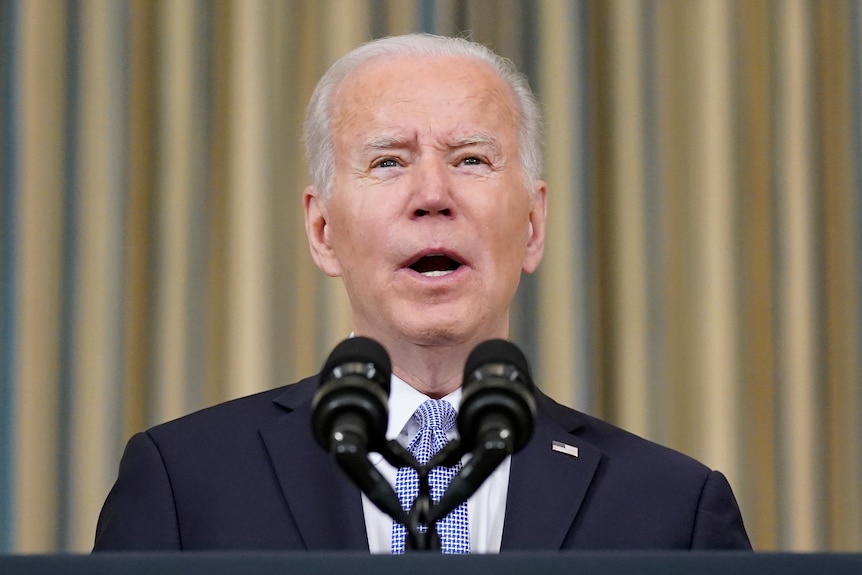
427,202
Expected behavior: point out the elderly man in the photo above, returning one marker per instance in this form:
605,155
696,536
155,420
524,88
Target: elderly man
427,202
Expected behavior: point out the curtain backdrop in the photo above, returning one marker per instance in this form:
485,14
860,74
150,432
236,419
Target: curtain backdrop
701,284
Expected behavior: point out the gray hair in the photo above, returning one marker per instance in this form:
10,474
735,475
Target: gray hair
318,135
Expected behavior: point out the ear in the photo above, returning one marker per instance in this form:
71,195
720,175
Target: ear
536,230
316,222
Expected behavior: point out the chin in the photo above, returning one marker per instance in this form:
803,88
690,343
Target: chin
448,326
439,335
450,336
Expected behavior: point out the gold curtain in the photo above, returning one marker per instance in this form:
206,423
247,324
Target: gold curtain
701,282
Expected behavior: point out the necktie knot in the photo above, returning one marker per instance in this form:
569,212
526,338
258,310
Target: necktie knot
436,414
435,418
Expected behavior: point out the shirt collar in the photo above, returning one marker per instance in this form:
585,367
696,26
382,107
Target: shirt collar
404,400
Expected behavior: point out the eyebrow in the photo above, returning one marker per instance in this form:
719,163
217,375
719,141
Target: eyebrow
392,142
477,138
384,143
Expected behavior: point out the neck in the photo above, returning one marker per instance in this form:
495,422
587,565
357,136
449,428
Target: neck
434,370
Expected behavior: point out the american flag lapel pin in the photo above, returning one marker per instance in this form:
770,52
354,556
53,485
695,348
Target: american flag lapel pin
561,447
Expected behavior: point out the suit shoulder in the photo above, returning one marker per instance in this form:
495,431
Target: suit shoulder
620,445
237,415
668,500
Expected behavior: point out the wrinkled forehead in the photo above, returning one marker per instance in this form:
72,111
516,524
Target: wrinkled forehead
422,84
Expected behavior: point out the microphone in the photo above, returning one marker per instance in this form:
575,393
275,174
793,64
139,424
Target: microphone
496,417
351,404
498,396
349,415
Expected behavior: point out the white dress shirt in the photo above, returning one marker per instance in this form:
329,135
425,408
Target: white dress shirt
486,509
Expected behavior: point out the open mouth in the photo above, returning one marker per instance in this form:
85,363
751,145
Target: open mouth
435,265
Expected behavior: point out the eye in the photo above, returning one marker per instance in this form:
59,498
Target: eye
386,163
472,161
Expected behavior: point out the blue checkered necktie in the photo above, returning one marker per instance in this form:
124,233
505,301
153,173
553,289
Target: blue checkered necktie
435,418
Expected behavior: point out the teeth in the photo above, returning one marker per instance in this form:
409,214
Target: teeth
437,273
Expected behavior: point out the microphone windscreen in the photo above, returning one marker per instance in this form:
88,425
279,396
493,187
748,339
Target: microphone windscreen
497,351
353,392
497,390
362,350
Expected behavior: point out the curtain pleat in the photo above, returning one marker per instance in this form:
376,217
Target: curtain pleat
40,302
840,269
715,310
556,366
179,171
799,394
249,252
756,282
700,286
94,294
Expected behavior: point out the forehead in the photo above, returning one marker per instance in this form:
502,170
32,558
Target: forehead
454,95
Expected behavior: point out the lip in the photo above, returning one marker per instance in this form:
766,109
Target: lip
435,251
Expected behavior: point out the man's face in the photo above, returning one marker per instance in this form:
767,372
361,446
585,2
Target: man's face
430,222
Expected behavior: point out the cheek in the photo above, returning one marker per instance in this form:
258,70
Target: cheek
342,227
362,246
517,226
512,247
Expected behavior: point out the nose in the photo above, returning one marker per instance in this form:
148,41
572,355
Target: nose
432,189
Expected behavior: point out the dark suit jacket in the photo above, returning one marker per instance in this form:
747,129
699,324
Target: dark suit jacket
247,474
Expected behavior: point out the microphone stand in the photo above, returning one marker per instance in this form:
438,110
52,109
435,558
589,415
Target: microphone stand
350,451
422,518
488,454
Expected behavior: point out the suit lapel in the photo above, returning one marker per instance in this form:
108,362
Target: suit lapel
324,504
546,487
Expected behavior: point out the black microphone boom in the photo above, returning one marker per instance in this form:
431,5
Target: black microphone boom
349,415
